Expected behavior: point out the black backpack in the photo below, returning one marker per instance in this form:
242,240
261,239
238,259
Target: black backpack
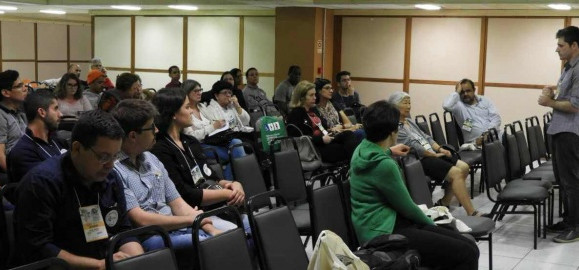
389,252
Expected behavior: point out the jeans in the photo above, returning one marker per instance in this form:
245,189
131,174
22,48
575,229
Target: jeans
182,239
222,153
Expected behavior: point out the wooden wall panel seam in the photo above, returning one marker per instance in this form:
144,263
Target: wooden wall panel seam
483,55
133,42
407,48
36,51
185,49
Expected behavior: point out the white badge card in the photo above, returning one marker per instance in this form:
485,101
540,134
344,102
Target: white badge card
93,223
197,175
467,125
206,169
424,143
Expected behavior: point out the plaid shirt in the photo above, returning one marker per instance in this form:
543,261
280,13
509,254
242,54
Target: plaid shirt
148,186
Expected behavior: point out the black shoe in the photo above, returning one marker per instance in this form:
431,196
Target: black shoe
567,237
558,227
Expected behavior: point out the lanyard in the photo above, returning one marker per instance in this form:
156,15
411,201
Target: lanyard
78,200
179,150
48,154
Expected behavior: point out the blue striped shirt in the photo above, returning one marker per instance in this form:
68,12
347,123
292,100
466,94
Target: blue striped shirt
568,90
149,186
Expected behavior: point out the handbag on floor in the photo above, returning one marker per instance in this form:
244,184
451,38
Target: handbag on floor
332,253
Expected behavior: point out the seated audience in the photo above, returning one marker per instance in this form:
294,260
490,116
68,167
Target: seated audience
12,118
346,96
175,75
128,86
40,141
71,101
201,126
183,157
72,68
206,97
381,203
334,147
337,121
65,194
438,163
475,114
255,97
283,92
238,86
226,107
95,80
151,196
96,63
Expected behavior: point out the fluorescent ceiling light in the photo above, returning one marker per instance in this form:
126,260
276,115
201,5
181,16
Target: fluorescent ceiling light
183,7
560,6
126,7
53,11
2,12
427,6
8,8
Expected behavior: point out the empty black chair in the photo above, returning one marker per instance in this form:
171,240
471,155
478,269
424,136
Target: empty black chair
48,264
420,121
275,233
328,212
525,156
536,143
156,259
495,172
482,227
224,251
344,187
247,171
288,179
436,127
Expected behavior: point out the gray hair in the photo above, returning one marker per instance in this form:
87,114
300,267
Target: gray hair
95,61
397,96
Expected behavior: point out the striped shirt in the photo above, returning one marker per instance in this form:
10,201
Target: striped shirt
568,90
149,186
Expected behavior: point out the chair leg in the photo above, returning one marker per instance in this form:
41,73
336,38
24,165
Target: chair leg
490,251
535,229
545,203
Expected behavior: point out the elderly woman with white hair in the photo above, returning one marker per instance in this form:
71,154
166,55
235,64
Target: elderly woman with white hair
437,162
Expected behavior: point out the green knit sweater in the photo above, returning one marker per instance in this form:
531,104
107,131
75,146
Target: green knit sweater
378,193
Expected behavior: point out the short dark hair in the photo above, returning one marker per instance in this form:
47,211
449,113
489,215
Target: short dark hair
220,85
132,114
172,67
570,34
126,80
41,98
340,74
248,70
7,79
225,73
188,85
468,81
61,86
292,68
234,71
168,102
94,124
380,119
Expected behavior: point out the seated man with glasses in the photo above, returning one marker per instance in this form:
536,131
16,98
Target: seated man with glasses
12,118
69,205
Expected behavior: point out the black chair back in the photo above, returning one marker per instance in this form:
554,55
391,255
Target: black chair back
46,264
227,250
344,187
416,181
453,134
156,259
548,139
247,171
514,169
214,161
288,174
276,235
436,126
535,139
421,122
524,153
328,212
494,164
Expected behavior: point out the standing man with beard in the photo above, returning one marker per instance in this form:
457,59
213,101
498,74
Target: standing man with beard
39,142
564,128
283,92
475,114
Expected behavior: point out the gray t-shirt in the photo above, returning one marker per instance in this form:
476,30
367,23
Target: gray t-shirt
12,127
92,97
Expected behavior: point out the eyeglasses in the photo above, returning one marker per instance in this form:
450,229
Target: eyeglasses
105,158
72,85
198,90
153,127
225,92
400,125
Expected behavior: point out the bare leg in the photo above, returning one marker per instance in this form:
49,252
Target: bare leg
456,178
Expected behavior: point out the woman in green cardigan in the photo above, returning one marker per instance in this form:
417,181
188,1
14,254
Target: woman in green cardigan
381,203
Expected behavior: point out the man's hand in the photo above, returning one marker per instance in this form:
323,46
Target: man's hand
444,152
458,88
235,102
400,150
545,100
237,196
549,91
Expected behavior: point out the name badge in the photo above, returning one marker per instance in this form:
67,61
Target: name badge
197,175
424,143
93,223
467,125
206,170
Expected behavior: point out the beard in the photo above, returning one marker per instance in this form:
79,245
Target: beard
51,125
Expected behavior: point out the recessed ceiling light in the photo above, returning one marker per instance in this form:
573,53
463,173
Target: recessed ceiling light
8,8
427,6
53,11
560,6
126,7
2,12
184,7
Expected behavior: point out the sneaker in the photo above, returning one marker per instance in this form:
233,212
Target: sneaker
567,237
558,227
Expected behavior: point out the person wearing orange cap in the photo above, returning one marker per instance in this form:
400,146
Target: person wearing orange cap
96,81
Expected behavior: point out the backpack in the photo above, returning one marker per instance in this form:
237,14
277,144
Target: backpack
390,252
